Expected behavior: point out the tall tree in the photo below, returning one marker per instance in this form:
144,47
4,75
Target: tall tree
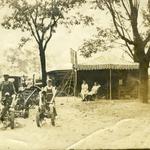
126,16
40,18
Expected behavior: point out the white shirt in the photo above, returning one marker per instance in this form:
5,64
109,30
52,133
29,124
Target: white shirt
94,89
84,88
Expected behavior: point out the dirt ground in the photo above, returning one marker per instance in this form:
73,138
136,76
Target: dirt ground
83,125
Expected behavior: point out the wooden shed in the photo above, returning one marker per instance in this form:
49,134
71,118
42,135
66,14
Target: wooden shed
118,78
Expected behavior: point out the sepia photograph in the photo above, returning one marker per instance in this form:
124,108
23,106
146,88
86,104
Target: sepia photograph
74,74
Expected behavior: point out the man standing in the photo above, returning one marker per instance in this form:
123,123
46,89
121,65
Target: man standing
50,95
7,86
7,89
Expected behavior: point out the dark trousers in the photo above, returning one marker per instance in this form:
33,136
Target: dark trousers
91,97
55,112
3,113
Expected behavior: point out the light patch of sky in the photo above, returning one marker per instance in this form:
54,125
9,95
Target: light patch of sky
59,48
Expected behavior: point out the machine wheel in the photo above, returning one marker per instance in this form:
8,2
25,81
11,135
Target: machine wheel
12,120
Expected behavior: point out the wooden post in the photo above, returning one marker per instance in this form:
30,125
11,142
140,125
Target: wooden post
110,89
74,62
75,81
33,79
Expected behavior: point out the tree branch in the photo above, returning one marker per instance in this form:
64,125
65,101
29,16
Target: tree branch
129,54
130,50
99,6
46,28
134,23
36,28
32,30
120,24
36,14
51,30
126,9
110,8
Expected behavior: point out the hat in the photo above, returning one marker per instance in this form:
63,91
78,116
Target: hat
49,80
6,75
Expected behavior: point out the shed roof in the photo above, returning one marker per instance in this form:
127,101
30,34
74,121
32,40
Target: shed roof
99,63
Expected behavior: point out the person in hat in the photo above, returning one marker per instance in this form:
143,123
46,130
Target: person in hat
84,90
7,88
50,92
92,94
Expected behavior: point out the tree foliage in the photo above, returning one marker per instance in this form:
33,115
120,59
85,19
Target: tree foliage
125,17
40,18
102,41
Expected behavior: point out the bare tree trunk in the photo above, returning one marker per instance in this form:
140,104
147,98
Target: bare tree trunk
143,74
43,66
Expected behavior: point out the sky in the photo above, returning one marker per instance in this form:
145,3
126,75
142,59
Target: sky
58,50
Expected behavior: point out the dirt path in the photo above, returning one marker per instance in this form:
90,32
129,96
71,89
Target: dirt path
80,125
